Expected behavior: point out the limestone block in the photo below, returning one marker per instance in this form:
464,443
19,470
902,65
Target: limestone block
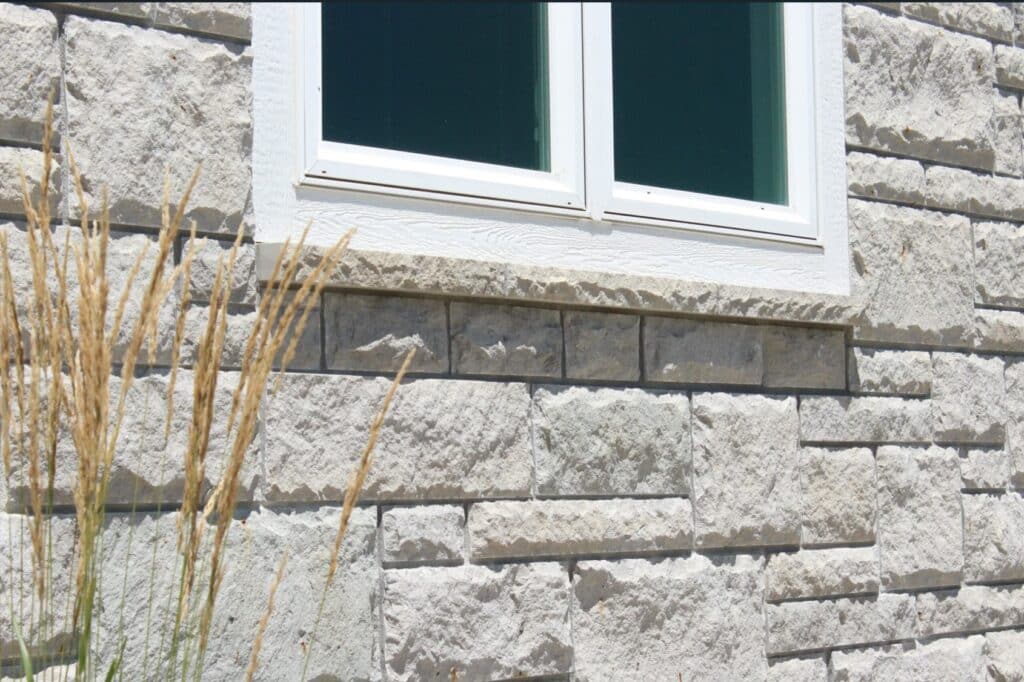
1005,652
919,527
477,623
838,490
1009,63
30,59
912,274
374,333
602,346
134,10
556,528
993,537
508,340
807,625
423,534
991,19
998,264
883,177
1007,131
228,19
997,330
798,670
442,439
961,190
822,573
985,469
604,441
879,371
937,108
826,419
968,398
746,470
181,101
948,660
799,357
17,160
700,352
203,272
625,612
1014,376
970,609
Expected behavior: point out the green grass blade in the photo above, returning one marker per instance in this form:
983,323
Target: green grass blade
26,660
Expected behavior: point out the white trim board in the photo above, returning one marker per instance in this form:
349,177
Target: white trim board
424,222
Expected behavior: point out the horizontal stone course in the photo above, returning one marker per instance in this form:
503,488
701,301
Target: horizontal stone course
506,340
545,528
800,357
884,177
826,419
602,346
964,191
700,352
227,19
883,372
432,533
822,573
990,19
959,660
971,608
604,441
810,625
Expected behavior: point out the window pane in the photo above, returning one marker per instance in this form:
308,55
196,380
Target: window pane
460,80
700,98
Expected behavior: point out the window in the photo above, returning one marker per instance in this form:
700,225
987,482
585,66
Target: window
696,114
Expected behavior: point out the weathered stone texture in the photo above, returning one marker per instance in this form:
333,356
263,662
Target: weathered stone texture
938,107
999,264
799,357
913,274
822,573
985,469
838,490
882,177
441,439
555,528
1005,651
798,670
946,660
864,420
374,333
203,271
965,191
968,398
1007,132
502,339
624,613
228,19
991,19
477,623
998,330
602,346
603,441
1014,376
1009,63
808,625
180,102
700,352
919,527
969,609
13,162
746,470
29,70
993,537
134,10
433,533
878,371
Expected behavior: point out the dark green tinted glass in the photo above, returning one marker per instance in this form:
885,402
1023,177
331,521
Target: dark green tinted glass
455,79
699,98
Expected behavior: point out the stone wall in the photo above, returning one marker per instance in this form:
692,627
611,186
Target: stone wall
586,481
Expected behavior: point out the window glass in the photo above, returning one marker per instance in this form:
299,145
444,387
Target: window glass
699,98
453,79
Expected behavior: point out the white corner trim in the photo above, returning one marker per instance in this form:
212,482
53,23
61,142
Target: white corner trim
418,223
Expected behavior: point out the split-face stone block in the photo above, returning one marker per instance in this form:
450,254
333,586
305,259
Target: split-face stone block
998,264
375,333
877,371
798,357
711,611
968,398
746,470
1007,131
985,469
700,352
993,537
555,528
17,160
947,659
442,439
1005,651
972,608
604,441
112,67
798,670
477,623
920,534
1014,376
227,19
809,625
602,346
132,10
998,330
1009,62
825,419
913,274
838,490
822,573
506,340
991,19
887,84
423,534
883,177
203,272
30,59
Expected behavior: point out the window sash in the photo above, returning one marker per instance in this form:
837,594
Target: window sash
581,181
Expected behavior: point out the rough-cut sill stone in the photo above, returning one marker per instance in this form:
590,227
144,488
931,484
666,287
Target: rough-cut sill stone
381,271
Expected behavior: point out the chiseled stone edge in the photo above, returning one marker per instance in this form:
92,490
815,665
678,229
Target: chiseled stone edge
381,271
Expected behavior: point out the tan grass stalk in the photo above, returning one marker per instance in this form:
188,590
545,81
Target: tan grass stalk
258,642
